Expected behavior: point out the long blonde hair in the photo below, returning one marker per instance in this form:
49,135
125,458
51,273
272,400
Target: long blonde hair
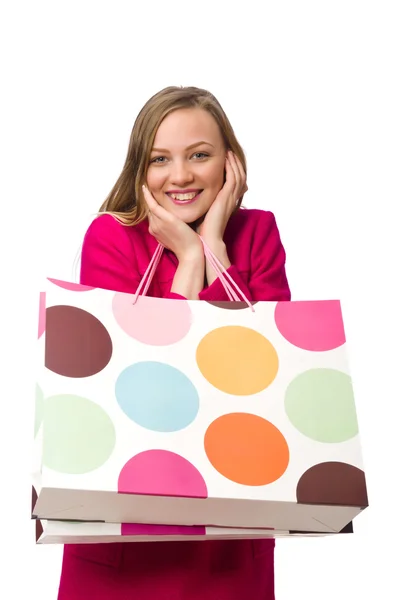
125,200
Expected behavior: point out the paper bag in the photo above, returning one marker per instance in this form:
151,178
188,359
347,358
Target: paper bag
193,413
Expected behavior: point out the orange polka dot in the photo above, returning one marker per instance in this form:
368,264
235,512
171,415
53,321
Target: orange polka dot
246,449
237,360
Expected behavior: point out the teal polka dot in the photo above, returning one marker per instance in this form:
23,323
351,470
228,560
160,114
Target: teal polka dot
157,396
78,437
320,404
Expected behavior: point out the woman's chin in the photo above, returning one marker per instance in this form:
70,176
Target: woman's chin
191,216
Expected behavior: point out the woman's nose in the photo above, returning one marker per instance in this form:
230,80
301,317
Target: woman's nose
181,173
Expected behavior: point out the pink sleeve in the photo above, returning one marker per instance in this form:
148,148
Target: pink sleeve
108,259
267,279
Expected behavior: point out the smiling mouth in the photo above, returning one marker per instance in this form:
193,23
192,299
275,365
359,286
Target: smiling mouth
184,198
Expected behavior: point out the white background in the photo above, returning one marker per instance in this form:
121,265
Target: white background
310,88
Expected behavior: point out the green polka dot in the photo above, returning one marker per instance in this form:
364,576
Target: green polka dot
79,436
38,409
320,404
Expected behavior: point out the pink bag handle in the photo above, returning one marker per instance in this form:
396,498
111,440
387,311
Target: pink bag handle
218,267
226,285
149,273
220,270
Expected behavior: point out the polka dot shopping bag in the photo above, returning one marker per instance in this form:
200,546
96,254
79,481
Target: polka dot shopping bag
185,413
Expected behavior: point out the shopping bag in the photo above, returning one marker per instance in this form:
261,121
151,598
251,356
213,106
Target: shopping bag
176,412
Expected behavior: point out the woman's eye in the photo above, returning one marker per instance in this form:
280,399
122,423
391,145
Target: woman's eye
201,154
161,159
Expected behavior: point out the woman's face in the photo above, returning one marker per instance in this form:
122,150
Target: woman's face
187,163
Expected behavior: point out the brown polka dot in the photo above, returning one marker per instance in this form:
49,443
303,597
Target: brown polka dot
231,305
333,483
77,344
34,499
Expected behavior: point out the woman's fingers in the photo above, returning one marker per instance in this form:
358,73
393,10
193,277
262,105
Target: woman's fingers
241,177
154,208
236,174
155,212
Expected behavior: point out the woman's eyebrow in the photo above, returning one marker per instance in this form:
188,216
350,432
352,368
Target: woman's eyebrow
188,147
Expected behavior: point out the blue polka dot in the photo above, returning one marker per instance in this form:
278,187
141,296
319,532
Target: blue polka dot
157,396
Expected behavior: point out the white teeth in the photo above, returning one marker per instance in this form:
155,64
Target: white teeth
183,196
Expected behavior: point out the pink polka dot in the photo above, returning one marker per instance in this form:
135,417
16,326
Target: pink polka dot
42,315
161,473
73,287
145,529
152,321
311,325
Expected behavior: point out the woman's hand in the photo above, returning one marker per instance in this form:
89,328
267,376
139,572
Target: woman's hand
171,232
213,227
184,242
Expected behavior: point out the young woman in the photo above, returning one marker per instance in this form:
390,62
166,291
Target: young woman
183,182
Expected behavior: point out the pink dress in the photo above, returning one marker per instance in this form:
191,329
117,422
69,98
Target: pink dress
115,257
